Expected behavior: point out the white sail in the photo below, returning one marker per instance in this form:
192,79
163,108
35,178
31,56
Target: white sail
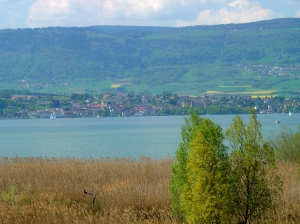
290,113
51,116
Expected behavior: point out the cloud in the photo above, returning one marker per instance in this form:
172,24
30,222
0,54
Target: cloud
48,12
145,12
298,14
236,11
110,12
99,11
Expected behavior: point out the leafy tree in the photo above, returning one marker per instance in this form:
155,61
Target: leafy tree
178,177
6,94
54,103
287,144
3,104
75,96
206,194
254,180
191,182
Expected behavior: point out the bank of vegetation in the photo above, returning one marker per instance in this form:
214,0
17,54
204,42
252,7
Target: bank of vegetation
251,57
145,190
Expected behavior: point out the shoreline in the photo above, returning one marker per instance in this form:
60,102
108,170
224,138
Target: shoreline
140,116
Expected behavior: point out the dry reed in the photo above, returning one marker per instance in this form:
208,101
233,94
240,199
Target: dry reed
125,190
288,209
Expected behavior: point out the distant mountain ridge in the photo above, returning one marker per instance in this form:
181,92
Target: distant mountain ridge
252,26
151,56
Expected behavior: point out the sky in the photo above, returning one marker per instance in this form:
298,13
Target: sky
171,13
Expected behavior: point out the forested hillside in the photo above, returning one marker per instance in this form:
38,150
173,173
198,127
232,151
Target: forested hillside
155,56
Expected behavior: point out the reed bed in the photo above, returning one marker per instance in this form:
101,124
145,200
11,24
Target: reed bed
37,190
288,209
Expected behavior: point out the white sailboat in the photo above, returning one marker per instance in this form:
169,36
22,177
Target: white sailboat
51,116
290,113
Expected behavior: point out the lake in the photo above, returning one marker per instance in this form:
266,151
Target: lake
112,136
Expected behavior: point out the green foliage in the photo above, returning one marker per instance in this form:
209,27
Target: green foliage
178,177
206,194
222,109
254,179
3,104
12,193
287,145
206,188
200,175
8,93
147,55
54,103
170,111
26,189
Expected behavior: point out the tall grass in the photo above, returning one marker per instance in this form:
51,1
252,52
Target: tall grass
52,191
288,210
37,190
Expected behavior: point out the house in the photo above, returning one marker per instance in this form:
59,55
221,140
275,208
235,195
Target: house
69,113
76,106
59,113
32,113
198,102
44,113
97,107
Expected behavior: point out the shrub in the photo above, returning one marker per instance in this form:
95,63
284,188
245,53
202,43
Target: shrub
287,145
254,180
10,194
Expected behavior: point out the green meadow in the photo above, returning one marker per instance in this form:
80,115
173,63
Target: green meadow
213,79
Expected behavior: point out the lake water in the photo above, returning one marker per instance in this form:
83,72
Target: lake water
110,137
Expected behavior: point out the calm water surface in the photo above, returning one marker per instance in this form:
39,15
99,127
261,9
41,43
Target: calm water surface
110,137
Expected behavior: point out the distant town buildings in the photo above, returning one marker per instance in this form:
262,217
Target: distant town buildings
139,104
126,105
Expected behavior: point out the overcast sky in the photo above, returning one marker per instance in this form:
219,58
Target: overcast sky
174,13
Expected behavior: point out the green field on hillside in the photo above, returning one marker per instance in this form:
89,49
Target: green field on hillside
187,85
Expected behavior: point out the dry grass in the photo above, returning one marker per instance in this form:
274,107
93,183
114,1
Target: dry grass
288,210
127,191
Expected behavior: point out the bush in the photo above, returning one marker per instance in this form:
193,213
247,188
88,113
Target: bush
12,193
287,145
208,186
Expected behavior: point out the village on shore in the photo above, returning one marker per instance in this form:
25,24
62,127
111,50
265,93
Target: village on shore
139,104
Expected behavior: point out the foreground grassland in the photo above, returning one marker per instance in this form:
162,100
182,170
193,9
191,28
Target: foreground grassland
36,190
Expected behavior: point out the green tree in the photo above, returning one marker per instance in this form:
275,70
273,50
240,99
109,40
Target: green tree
54,103
287,144
200,174
254,180
178,177
3,104
206,194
